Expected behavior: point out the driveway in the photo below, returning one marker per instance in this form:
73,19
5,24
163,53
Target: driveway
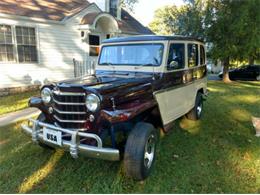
17,116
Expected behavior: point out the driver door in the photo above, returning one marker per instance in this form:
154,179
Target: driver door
174,101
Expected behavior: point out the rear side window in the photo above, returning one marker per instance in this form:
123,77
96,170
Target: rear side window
193,55
176,59
202,55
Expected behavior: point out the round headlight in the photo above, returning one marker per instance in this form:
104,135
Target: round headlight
92,102
46,95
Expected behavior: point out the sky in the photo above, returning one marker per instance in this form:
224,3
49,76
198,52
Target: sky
144,10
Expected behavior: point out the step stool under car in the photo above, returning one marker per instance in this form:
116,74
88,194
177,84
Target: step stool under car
141,84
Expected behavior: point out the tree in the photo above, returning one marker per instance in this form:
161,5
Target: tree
128,4
185,20
231,26
234,31
165,19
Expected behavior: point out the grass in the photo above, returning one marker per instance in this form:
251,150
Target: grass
15,102
218,154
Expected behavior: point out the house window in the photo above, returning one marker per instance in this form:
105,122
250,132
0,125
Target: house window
18,44
6,44
193,58
94,42
113,7
26,44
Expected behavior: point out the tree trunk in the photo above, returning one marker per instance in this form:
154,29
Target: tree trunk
225,71
251,60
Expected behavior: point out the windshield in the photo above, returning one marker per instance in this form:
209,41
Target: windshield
132,55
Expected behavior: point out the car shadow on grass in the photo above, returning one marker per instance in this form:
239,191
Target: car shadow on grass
217,154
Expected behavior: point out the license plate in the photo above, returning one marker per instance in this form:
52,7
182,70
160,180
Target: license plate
52,136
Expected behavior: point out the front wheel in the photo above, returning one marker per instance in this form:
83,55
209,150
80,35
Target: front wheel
140,150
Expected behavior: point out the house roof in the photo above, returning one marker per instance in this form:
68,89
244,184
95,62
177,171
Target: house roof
127,23
47,9
57,10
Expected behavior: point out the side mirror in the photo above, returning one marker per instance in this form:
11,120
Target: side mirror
173,65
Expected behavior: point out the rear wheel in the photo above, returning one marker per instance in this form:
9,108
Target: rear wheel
43,119
196,112
258,77
140,150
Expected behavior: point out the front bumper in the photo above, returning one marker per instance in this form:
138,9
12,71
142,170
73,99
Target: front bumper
74,146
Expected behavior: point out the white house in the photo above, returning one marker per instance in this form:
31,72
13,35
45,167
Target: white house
40,38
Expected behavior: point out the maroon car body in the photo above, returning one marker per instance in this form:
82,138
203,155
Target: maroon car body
127,104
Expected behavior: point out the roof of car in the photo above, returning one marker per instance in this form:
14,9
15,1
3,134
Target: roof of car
150,38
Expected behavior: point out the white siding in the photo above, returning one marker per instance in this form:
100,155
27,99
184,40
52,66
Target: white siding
58,44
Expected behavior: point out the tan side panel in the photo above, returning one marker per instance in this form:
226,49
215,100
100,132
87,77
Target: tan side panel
176,102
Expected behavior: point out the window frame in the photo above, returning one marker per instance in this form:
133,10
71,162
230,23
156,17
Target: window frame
26,45
124,44
15,45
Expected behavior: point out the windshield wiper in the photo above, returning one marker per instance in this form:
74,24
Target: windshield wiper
109,64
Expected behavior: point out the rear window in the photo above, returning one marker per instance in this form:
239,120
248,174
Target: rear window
202,55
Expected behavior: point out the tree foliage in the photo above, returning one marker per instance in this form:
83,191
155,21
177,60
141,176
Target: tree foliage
128,4
231,26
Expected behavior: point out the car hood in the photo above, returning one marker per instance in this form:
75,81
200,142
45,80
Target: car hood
105,81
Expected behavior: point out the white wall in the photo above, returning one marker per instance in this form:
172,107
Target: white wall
58,44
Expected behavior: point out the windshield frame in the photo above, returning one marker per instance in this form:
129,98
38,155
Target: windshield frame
137,65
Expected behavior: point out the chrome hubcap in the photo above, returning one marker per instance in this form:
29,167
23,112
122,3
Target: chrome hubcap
258,78
149,151
199,109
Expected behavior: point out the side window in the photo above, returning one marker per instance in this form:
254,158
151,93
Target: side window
202,55
193,55
176,59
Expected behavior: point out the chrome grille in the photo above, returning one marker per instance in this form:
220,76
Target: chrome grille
70,110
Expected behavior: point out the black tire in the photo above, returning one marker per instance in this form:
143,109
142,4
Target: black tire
141,140
258,77
42,118
196,112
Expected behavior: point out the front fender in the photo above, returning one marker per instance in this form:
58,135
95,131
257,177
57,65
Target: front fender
127,112
36,102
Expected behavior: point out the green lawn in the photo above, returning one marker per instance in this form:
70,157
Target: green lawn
15,102
217,154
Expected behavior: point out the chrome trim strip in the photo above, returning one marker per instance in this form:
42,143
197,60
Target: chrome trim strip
74,146
68,103
69,121
63,112
68,93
